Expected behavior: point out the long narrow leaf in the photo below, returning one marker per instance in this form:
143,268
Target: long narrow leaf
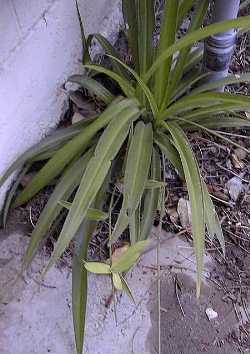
94,87
129,11
204,100
79,273
211,218
69,181
92,214
85,52
97,169
185,6
121,223
138,163
144,87
50,142
201,126
11,194
177,73
169,151
110,50
189,39
125,85
167,38
151,199
194,186
231,79
77,145
145,23
225,122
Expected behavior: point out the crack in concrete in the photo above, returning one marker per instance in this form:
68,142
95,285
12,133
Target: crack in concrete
28,32
17,17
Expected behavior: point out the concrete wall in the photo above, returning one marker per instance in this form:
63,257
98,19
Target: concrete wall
39,47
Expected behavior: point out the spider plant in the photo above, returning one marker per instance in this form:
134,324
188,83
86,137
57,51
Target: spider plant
161,96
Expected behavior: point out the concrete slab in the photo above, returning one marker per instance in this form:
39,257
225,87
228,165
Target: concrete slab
37,320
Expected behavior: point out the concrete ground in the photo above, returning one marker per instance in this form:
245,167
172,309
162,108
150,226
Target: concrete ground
37,319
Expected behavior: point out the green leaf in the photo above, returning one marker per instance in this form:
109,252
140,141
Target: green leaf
129,11
167,38
186,84
121,223
200,126
203,100
126,288
94,87
177,73
152,184
211,218
225,122
80,282
125,85
79,273
231,79
92,214
85,52
169,151
96,171
67,184
134,226
151,198
11,194
71,149
138,163
217,109
195,192
110,50
117,281
97,267
194,58
145,23
191,38
58,137
143,86
128,258
184,8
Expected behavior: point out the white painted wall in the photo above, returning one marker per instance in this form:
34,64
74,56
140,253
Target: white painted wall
39,48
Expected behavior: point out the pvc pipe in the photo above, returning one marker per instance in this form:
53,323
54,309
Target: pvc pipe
219,48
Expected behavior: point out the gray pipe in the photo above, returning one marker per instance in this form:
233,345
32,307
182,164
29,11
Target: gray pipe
219,48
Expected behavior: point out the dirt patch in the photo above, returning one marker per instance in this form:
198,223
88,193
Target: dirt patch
186,329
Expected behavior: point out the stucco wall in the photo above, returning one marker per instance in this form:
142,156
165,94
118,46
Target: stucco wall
39,47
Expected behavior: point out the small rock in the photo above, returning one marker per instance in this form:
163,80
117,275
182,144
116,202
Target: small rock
235,187
184,212
211,314
240,153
